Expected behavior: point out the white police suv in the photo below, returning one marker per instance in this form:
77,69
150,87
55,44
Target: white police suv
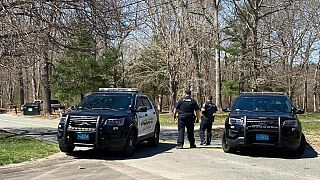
114,118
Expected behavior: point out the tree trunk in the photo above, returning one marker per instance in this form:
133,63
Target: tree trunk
34,84
217,55
290,79
315,89
10,89
81,96
160,102
21,84
305,95
198,75
46,86
315,102
173,93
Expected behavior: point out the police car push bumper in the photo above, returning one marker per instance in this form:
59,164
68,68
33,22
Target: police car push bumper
283,135
109,133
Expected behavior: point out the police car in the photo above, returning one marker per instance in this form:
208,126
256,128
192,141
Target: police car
264,119
114,118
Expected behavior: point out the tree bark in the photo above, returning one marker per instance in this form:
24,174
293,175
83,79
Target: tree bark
34,83
21,84
46,85
173,93
305,94
315,89
198,75
160,102
217,54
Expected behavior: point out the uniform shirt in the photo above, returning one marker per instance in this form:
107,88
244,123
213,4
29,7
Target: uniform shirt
187,106
209,108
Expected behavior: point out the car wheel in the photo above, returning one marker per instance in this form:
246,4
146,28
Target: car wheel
154,141
130,146
225,147
66,149
302,147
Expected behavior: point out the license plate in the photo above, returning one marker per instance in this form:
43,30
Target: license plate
262,137
30,109
83,137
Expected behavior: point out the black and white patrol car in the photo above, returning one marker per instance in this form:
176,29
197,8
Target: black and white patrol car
114,118
264,119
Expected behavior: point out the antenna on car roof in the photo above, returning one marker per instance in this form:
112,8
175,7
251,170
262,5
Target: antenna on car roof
118,89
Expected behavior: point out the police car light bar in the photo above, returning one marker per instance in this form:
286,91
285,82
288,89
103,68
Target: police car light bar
119,89
266,93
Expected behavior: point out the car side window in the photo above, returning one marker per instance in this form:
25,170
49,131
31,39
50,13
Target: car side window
146,102
139,102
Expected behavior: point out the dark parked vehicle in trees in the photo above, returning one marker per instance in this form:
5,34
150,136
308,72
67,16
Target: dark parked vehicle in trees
114,118
260,119
55,104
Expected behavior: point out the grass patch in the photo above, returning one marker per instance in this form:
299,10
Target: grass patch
309,117
167,119
311,128
310,123
16,149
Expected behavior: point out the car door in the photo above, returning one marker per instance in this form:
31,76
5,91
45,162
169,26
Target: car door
141,117
151,115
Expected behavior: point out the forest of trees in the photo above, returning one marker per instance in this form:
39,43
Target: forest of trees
65,49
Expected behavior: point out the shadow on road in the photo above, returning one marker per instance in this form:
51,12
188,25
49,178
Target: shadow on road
168,135
310,152
48,134
143,151
172,134
2,111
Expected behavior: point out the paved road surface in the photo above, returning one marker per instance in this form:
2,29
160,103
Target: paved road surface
163,162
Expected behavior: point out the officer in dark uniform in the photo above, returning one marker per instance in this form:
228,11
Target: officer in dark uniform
207,119
186,118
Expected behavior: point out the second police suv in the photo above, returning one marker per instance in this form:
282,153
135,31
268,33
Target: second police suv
264,119
114,118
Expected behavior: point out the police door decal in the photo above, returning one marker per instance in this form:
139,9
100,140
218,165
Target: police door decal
149,124
141,117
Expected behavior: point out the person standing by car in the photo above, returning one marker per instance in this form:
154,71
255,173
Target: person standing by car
207,119
186,107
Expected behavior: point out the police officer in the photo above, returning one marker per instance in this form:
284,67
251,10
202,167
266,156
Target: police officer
207,109
186,118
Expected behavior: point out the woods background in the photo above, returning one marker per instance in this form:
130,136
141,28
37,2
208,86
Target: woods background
65,49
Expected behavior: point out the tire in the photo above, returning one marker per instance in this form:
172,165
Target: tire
225,147
130,146
154,141
66,149
302,147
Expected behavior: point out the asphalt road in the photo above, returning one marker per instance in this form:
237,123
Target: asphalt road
163,162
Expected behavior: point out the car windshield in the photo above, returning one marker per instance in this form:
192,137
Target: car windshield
263,104
107,102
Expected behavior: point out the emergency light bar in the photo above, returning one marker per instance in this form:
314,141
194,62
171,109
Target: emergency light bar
263,93
118,89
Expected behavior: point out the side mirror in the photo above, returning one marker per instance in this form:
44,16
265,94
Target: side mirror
299,111
227,109
142,109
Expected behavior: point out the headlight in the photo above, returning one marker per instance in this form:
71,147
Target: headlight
235,121
118,121
291,123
